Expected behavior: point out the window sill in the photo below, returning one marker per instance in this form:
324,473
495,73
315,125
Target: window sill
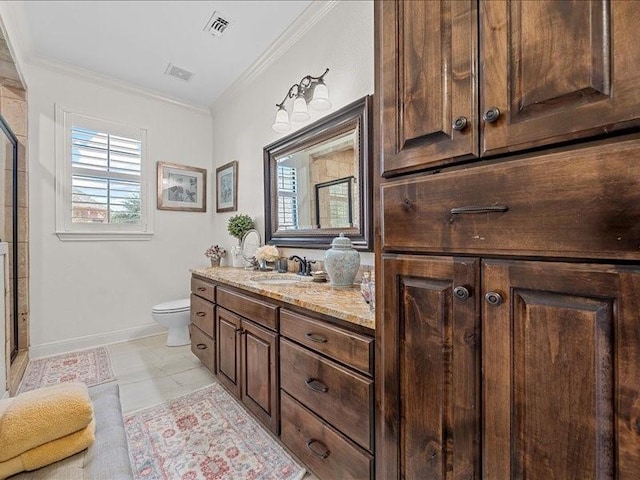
103,236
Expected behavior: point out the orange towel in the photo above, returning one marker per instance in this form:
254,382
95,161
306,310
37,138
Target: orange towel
40,416
49,452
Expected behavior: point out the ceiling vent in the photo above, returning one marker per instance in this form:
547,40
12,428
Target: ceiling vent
178,72
218,24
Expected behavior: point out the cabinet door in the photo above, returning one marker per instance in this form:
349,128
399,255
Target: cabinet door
426,78
427,371
228,350
557,70
260,383
561,366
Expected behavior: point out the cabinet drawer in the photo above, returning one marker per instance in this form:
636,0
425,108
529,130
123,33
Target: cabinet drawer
339,396
203,289
583,203
202,314
319,446
346,347
202,347
260,312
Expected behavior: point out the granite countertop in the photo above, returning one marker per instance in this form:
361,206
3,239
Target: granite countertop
344,303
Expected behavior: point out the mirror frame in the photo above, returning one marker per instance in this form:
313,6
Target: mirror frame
356,114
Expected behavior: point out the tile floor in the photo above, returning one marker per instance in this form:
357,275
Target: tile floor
149,373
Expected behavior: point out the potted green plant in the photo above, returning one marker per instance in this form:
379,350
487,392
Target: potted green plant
239,225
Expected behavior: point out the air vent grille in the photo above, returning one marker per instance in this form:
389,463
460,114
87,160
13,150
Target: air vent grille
178,72
218,24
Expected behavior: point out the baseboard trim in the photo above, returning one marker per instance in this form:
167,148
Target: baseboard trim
89,341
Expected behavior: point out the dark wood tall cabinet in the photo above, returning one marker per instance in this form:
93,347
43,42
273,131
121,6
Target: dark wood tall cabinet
508,240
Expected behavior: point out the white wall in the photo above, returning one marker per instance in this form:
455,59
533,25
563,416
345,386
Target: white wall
88,293
342,41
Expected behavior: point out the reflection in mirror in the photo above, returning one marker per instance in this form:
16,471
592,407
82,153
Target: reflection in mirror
317,182
334,203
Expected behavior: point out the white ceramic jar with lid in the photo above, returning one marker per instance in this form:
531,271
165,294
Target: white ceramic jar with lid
341,262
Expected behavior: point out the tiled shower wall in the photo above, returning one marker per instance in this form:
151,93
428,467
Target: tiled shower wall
13,107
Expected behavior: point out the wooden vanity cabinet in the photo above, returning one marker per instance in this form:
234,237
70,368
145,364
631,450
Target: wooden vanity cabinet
560,357
202,327
428,371
507,332
542,73
327,395
247,354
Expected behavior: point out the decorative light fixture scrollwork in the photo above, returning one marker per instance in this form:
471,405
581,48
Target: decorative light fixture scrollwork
310,90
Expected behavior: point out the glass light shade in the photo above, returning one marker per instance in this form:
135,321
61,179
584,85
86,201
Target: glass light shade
281,123
320,99
300,112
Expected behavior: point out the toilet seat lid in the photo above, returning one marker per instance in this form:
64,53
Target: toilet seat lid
173,306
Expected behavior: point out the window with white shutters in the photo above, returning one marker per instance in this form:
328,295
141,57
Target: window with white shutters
102,173
287,198
105,177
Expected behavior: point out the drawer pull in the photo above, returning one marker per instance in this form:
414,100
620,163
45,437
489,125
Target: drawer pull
202,289
477,209
201,314
324,453
201,346
314,337
316,385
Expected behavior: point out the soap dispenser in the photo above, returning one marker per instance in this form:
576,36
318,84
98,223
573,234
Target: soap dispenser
341,262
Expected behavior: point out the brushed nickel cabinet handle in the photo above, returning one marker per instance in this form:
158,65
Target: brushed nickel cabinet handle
314,337
201,346
491,115
479,209
493,298
324,453
460,123
316,385
462,293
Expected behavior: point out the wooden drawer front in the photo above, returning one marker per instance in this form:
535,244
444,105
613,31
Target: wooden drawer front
202,346
202,314
339,396
346,347
203,289
260,312
324,450
584,203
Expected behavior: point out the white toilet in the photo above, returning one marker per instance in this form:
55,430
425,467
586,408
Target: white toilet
175,316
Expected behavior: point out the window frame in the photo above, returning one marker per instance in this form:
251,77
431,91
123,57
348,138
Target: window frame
66,230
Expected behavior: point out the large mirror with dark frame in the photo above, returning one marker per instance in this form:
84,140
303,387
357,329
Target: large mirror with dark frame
318,182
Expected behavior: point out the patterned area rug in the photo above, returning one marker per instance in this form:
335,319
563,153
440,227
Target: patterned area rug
91,366
204,435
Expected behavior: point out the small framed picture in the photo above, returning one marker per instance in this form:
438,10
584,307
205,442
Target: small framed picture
182,188
227,187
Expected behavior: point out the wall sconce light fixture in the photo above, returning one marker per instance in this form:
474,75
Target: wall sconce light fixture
310,91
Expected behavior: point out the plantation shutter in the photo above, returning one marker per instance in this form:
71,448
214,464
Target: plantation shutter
105,177
287,198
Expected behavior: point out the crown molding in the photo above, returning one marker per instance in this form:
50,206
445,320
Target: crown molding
307,19
15,43
104,80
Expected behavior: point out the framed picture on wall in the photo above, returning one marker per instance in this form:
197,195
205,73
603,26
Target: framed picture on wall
182,188
227,187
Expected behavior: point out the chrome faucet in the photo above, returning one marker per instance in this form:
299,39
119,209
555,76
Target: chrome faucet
304,267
